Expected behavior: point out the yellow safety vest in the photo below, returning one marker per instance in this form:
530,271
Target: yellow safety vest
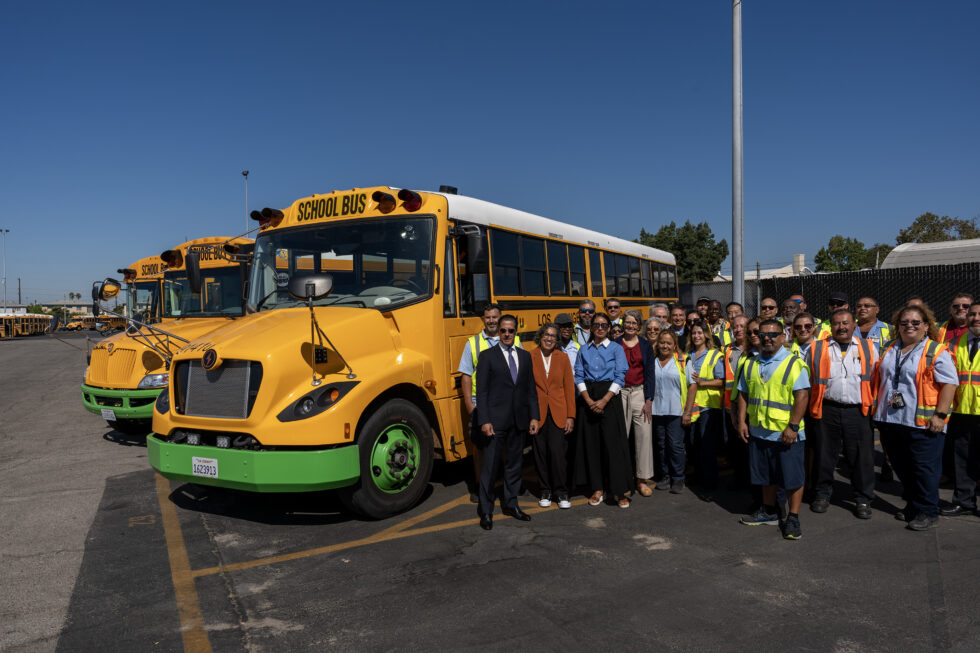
771,402
706,398
477,344
967,400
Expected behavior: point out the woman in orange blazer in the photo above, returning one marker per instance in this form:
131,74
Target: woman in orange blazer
556,402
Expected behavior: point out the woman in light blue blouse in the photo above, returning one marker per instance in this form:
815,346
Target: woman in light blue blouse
669,399
602,450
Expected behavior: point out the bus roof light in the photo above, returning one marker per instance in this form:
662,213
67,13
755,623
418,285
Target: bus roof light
386,203
412,200
128,274
267,217
173,258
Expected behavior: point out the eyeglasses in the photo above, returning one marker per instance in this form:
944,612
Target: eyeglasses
586,310
834,302
770,307
769,335
961,306
911,323
803,326
507,330
600,325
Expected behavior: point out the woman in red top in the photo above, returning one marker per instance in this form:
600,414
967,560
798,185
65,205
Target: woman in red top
637,396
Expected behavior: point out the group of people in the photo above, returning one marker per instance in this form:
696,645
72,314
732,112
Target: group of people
623,405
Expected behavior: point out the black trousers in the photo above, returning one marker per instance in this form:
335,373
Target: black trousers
510,441
602,456
844,427
963,434
550,458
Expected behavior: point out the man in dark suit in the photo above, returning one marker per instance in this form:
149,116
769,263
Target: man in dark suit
508,404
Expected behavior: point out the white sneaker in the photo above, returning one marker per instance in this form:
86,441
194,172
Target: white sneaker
564,503
545,501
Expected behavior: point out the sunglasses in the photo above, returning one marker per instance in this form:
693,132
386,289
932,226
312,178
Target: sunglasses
769,335
770,307
803,326
835,303
867,305
753,332
911,323
610,306
507,330
961,306
600,325
586,310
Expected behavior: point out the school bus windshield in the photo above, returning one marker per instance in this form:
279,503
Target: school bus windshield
381,264
143,297
220,293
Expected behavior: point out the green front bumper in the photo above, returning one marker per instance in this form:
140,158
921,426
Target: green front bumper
126,404
258,471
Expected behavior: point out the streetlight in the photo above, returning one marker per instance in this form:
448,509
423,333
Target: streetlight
245,174
4,232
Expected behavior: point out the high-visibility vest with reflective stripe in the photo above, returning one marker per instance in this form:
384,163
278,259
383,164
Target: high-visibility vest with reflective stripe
477,344
739,370
967,400
819,364
726,338
794,348
822,330
727,395
926,388
771,402
942,331
680,360
705,398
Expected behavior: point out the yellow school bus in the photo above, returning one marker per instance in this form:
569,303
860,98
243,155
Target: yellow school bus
24,324
127,371
343,375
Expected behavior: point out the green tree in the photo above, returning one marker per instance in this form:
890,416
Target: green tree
841,255
876,255
930,228
698,256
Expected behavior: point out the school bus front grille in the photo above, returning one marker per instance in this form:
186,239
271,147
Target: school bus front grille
111,369
226,392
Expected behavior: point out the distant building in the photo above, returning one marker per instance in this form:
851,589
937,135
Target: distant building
949,252
795,269
13,309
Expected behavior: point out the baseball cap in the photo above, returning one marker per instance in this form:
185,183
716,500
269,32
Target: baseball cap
563,319
838,297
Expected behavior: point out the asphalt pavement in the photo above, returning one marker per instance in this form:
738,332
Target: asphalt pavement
100,553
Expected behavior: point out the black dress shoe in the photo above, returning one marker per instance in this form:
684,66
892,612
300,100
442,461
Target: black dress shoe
486,522
862,511
955,511
819,505
518,514
906,514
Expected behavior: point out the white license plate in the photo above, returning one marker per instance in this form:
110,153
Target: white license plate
108,414
207,467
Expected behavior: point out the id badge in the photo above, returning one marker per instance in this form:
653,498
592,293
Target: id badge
897,400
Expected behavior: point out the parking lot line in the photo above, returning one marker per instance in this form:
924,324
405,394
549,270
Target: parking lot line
188,605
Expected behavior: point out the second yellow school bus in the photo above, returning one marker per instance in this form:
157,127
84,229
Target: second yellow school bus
359,391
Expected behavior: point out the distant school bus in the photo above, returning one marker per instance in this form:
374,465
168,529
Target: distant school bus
360,392
128,370
24,324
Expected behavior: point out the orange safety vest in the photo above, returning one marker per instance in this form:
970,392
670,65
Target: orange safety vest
926,388
942,331
818,361
726,398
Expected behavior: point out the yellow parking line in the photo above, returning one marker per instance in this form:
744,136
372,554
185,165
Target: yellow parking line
425,515
383,536
188,605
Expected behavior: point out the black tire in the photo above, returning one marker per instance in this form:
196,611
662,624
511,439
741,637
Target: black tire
131,426
365,497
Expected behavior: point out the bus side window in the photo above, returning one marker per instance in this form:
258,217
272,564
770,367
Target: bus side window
449,283
474,278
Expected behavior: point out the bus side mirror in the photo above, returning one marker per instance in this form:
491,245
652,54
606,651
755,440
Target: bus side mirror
192,263
308,287
477,253
95,299
109,289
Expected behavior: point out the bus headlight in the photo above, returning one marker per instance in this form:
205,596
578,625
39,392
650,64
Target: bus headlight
153,381
162,404
316,401
84,375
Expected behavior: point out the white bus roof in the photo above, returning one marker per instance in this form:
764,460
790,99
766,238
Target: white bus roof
949,252
470,209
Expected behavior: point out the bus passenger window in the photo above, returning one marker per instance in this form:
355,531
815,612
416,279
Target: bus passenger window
557,269
609,263
622,275
533,266
506,268
635,276
576,265
474,282
595,272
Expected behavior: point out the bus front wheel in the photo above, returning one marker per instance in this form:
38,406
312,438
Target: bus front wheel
395,453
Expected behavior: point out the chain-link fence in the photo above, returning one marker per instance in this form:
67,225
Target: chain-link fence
892,288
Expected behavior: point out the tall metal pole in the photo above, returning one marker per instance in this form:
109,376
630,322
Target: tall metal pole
245,174
4,233
738,272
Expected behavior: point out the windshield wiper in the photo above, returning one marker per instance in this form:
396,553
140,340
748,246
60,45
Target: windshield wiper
262,301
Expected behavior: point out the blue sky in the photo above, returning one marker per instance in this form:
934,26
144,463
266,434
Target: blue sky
125,126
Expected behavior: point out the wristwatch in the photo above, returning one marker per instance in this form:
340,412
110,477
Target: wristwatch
795,427
941,415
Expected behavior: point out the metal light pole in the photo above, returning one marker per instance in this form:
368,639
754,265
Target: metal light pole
4,232
245,174
738,272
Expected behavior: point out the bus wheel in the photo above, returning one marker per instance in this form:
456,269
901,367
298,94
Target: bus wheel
395,450
131,426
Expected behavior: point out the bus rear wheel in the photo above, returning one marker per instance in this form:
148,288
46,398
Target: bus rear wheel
395,453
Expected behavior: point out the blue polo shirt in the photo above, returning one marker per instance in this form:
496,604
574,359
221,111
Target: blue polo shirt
605,362
766,367
945,372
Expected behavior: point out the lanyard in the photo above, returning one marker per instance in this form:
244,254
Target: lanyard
899,361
